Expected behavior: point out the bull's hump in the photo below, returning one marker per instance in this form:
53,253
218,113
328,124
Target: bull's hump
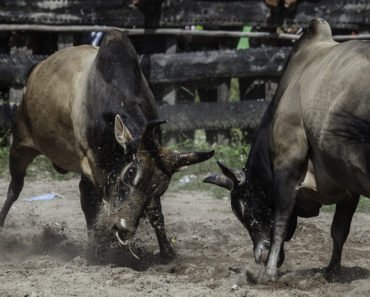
320,30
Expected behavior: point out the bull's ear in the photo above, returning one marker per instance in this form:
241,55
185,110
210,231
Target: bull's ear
219,180
237,176
121,132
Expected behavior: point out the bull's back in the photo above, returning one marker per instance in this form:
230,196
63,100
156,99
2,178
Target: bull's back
335,106
55,89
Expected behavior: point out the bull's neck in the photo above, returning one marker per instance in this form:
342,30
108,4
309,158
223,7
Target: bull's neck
258,166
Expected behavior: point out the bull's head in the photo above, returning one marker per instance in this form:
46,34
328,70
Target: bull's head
250,205
145,175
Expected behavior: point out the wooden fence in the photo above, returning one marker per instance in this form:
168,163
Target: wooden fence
171,68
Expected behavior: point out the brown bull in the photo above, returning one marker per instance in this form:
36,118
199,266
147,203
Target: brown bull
90,110
312,147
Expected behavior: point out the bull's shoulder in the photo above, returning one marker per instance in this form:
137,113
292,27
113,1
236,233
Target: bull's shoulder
69,59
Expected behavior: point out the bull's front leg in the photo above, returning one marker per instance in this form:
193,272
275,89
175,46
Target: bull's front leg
154,212
285,184
90,204
339,231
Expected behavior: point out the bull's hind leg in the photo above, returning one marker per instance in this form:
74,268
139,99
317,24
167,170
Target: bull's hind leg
154,212
19,159
339,231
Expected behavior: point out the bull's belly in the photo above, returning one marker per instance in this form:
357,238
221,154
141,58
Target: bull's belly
342,171
64,158
60,152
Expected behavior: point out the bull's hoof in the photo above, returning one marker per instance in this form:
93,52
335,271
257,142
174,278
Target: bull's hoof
2,222
333,273
281,258
271,274
260,278
93,253
167,256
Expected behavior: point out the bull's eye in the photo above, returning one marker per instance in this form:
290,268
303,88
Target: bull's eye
130,173
129,176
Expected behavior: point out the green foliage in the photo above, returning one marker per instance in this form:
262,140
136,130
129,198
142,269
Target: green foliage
4,156
364,205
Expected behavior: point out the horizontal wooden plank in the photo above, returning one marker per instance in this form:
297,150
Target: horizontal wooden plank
193,67
14,68
112,12
351,14
212,116
213,13
197,66
347,14
189,117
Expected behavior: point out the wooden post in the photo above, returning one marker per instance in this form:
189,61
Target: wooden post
223,95
18,44
169,93
65,40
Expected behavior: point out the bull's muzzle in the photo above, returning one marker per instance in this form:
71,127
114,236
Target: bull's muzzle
123,231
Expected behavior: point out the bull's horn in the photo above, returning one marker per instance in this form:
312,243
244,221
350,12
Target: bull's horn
219,180
149,139
237,176
185,159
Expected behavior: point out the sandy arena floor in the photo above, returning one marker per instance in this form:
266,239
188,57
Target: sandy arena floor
42,252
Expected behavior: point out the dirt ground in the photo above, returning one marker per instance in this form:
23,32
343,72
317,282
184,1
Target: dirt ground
42,252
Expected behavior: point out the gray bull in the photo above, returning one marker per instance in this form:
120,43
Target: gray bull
90,110
311,148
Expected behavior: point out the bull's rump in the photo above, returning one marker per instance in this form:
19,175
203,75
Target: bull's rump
336,114
52,106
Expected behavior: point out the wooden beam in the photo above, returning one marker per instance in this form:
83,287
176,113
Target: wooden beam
189,117
143,31
199,66
178,68
82,12
349,14
212,116
14,68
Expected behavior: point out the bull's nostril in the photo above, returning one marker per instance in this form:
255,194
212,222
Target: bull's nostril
124,243
123,223
121,226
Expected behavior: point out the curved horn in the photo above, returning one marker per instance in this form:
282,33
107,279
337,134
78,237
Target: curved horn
237,176
148,140
185,159
220,180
